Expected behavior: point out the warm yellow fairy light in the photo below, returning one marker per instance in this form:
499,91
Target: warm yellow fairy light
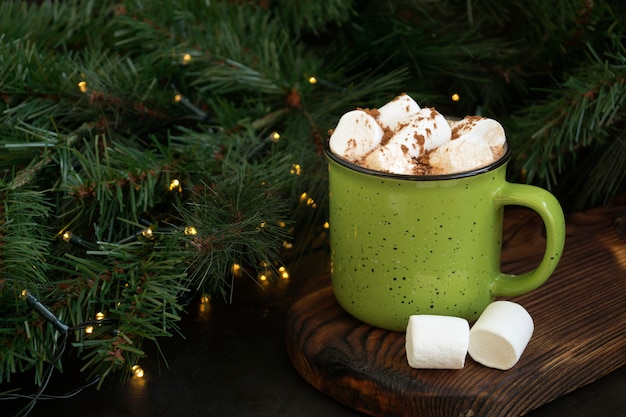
303,197
137,371
282,224
186,58
82,86
284,274
275,136
89,329
236,268
311,202
99,315
326,225
263,277
296,169
262,225
147,232
67,236
178,98
287,245
205,305
175,185
312,80
190,230
455,97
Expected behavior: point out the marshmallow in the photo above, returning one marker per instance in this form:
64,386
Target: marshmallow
398,112
356,134
500,335
462,154
430,125
436,342
489,130
402,138
390,159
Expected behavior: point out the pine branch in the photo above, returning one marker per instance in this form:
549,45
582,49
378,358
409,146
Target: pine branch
585,113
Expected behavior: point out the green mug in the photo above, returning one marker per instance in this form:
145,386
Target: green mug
407,244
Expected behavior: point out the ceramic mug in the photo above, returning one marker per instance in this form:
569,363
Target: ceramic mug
408,244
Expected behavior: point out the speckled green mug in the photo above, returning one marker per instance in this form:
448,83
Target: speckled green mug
403,245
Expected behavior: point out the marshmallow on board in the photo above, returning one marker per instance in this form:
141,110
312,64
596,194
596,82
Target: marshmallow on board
436,342
500,335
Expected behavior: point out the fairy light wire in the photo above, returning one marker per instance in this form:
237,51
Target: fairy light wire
46,378
63,330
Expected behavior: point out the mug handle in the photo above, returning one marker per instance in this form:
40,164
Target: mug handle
548,207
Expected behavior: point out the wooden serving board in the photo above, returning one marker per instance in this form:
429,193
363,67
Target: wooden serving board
580,333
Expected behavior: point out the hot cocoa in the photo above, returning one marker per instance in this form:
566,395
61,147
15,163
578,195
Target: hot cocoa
402,138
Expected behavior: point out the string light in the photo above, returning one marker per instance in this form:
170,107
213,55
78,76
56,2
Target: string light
296,169
326,225
275,136
186,59
137,371
99,315
287,245
178,98
236,269
82,86
190,230
205,304
89,329
314,80
304,197
147,233
283,272
455,97
71,238
175,185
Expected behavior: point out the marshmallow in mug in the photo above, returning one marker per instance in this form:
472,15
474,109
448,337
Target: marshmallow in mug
400,136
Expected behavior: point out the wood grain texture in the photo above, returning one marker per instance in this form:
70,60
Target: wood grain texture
580,334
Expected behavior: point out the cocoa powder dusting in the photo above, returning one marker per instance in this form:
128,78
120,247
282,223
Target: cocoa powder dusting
468,123
420,139
422,165
455,133
372,112
387,135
